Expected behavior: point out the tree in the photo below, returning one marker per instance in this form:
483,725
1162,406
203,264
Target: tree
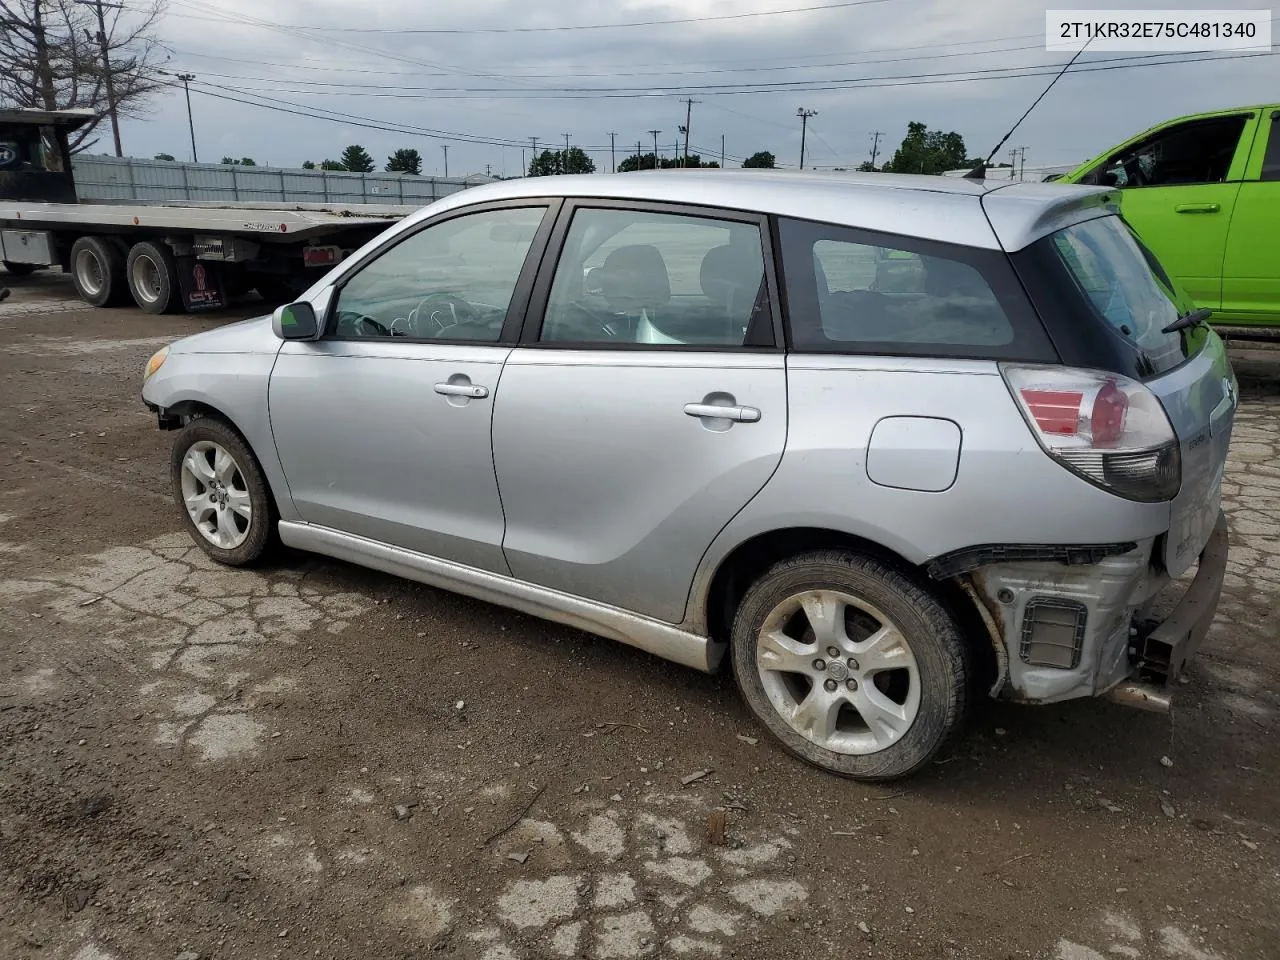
636,162
164,156
308,164
551,163
356,159
866,166
242,162
53,59
331,165
927,151
763,159
405,160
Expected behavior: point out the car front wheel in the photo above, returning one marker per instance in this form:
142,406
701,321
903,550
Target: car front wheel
851,664
221,493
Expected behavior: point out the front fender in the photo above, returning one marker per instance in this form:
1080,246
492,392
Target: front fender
234,386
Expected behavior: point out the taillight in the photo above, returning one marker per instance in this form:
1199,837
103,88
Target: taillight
1108,429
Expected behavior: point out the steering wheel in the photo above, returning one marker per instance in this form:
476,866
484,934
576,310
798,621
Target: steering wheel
360,325
442,311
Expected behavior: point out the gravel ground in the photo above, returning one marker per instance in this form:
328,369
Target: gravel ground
314,759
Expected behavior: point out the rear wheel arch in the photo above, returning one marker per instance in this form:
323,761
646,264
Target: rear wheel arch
754,557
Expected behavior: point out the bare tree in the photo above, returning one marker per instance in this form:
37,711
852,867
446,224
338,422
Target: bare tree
55,56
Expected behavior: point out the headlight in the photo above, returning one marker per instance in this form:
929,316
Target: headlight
156,361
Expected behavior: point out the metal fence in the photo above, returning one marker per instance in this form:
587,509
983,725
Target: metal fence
131,178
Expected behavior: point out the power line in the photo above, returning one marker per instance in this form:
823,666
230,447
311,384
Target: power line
654,63
315,113
869,82
564,28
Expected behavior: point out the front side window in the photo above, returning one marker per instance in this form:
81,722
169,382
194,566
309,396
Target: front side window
1271,159
451,281
656,279
1199,151
1125,286
847,292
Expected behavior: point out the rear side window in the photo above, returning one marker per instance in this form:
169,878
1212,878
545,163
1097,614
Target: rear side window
851,291
1125,286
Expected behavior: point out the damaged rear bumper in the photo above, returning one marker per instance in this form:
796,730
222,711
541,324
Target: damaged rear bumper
1078,627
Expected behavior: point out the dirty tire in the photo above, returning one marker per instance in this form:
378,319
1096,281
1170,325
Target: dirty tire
20,269
153,277
928,629
97,270
262,525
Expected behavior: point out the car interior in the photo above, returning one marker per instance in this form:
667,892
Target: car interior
630,297
910,299
1198,152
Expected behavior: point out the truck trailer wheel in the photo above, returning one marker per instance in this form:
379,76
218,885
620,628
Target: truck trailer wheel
153,277
97,269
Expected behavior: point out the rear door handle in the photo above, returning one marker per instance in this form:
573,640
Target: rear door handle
717,412
470,390
1197,208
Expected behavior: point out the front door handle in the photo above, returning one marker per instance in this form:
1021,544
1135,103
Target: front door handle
715,411
1197,208
470,390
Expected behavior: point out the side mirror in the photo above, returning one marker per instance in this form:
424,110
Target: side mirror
295,321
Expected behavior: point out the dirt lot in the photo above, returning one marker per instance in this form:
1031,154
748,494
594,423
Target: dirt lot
311,759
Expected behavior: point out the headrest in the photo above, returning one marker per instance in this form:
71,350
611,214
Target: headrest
634,278
728,269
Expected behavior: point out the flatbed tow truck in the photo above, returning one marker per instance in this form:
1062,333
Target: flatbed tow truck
165,256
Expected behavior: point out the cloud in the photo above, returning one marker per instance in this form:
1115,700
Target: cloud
371,75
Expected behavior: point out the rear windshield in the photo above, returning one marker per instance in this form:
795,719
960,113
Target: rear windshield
1126,287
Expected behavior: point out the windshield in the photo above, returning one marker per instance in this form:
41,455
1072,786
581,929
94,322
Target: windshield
1125,285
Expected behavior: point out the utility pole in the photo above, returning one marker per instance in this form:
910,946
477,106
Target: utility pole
875,146
613,159
804,116
524,167
688,116
107,78
186,79
533,159
655,147
445,148
722,151
638,156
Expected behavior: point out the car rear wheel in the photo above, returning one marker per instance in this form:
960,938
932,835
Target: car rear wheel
851,664
153,277
97,269
221,492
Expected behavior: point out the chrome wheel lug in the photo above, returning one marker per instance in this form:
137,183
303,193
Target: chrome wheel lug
833,653
853,664
830,686
819,664
851,683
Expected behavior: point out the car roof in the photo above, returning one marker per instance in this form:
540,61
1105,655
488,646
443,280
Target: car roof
995,215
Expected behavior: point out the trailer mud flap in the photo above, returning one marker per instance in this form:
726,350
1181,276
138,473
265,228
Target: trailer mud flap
201,284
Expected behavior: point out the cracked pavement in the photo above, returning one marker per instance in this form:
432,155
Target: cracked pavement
311,758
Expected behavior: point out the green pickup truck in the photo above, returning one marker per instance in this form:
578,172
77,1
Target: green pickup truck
1204,193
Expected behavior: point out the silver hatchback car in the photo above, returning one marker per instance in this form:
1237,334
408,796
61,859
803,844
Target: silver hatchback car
883,443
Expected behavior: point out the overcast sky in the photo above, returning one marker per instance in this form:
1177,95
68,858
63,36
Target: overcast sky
510,86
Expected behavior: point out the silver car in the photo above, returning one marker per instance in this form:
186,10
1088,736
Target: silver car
882,443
